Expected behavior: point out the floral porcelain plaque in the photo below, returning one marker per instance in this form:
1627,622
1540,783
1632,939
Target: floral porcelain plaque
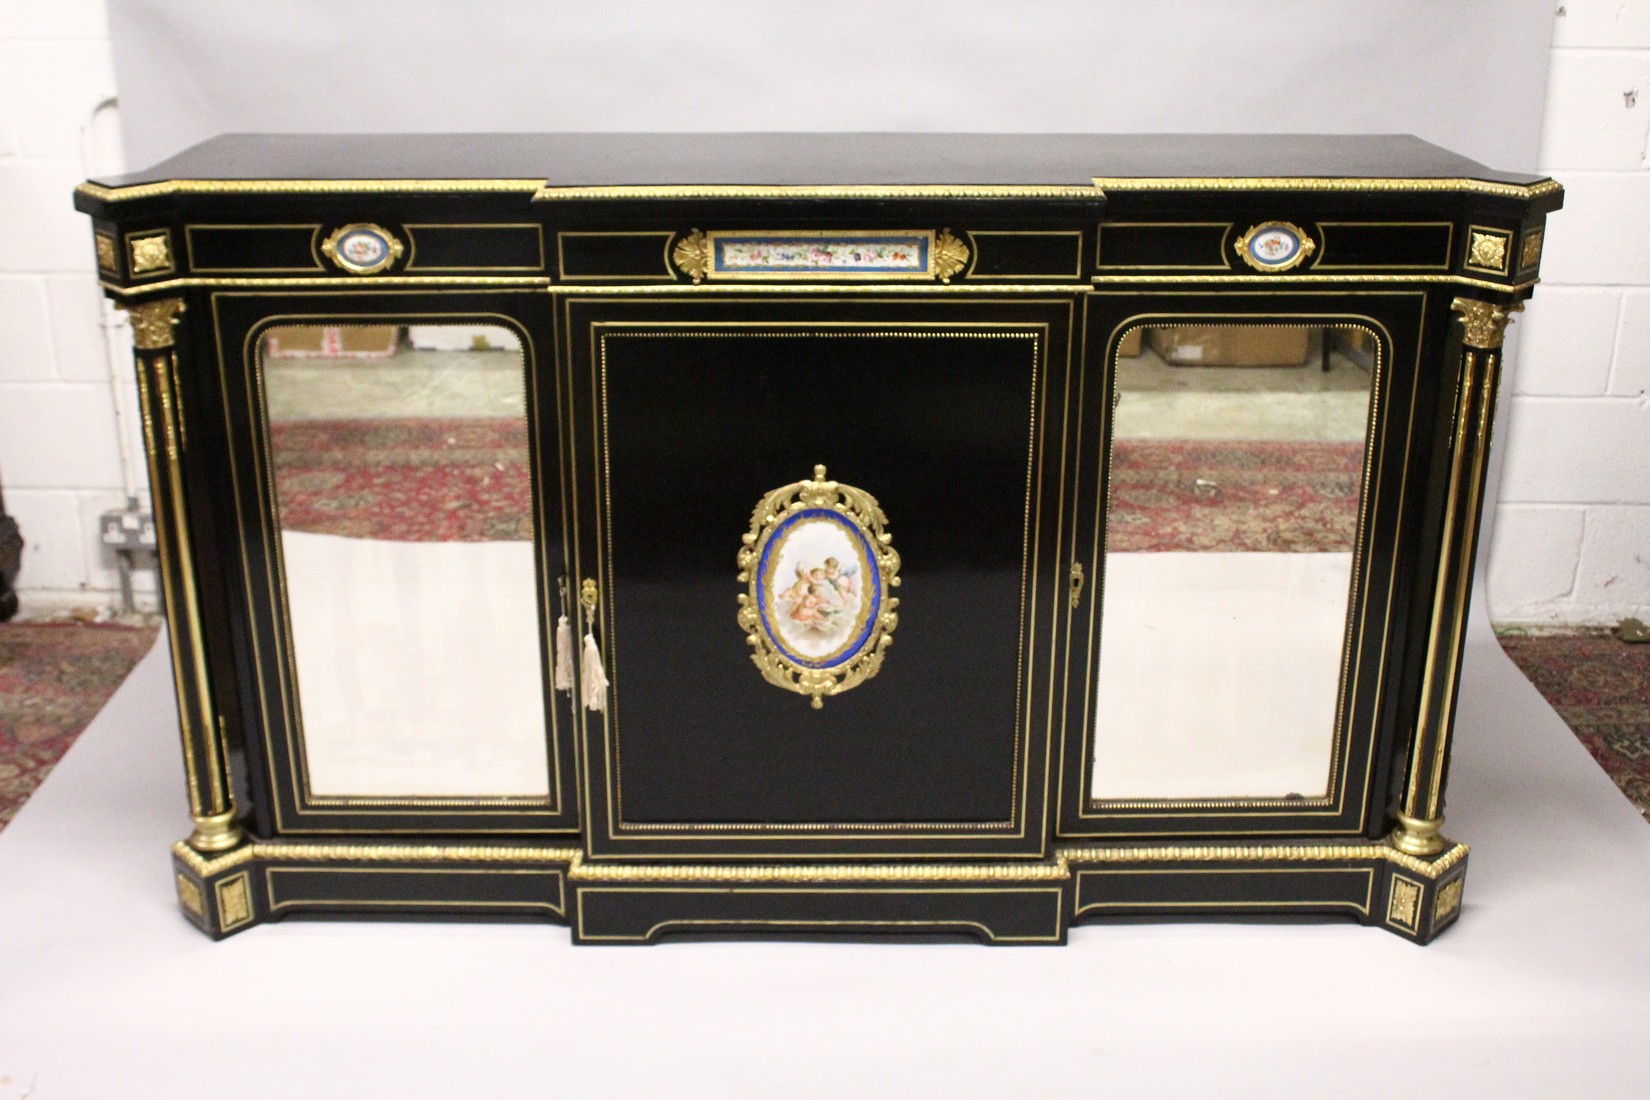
363,249
818,564
884,255
874,254
1275,246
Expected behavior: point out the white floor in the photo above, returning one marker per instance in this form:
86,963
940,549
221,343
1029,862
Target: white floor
1541,990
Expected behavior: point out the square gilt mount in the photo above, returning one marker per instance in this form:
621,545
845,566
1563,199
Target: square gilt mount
1487,250
150,253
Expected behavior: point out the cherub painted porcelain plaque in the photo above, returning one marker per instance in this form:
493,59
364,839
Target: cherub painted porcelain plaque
818,566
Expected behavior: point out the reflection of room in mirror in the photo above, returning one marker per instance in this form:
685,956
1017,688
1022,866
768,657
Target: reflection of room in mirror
1235,488
400,458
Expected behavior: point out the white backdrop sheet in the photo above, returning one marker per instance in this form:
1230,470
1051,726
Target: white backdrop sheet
1469,75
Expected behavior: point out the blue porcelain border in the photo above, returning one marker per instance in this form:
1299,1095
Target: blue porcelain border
775,538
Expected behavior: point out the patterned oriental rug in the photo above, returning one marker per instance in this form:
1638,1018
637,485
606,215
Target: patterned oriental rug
54,678
1600,686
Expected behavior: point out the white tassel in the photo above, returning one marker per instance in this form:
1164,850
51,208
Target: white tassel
564,655
594,679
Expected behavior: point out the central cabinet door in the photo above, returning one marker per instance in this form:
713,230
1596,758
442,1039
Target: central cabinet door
824,532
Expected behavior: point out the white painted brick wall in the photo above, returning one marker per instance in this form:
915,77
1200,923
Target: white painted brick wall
1572,529
1619,24
61,461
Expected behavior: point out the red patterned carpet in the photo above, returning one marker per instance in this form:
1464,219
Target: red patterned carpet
1600,686
1214,495
54,678
412,480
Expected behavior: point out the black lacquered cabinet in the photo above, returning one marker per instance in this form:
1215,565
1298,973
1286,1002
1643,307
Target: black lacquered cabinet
818,534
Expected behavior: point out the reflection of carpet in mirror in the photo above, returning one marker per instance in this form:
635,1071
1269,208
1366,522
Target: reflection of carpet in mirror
465,480
407,480
1234,496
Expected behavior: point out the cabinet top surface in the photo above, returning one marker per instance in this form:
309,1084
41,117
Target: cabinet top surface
580,160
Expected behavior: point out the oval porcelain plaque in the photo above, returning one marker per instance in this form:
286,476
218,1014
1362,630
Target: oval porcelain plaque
818,565
1275,246
362,249
819,589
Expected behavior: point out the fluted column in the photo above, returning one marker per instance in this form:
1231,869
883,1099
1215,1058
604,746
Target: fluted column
211,805
1421,809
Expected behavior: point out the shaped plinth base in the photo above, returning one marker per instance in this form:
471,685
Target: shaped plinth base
1001,902
993,913
1416,897
259,881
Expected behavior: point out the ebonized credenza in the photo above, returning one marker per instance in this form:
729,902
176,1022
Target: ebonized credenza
818,534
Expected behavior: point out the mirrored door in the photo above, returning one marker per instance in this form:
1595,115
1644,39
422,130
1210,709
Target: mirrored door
1237,459
1231,677
403,478
402,491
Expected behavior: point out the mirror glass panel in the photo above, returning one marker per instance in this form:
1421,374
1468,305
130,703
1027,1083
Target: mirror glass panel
400,461
1237,471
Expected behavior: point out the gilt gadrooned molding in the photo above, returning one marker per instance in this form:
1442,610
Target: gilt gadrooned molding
159,188
1284,853
580,869
299,852
818,566
1485,322
1539,189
